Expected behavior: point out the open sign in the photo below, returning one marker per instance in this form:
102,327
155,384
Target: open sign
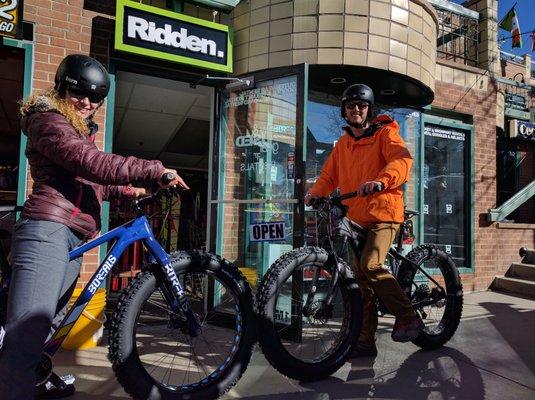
266,231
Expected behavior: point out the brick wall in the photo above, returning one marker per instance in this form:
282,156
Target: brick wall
495,248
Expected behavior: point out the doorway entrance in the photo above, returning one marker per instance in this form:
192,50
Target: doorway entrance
167,120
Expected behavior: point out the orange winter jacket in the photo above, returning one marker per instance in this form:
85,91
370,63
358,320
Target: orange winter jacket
381,156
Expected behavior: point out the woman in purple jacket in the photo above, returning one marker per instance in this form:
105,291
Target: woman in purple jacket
71,177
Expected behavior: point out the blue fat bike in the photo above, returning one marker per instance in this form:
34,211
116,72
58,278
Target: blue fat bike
182,329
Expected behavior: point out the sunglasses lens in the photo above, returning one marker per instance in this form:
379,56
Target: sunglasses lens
82,94
94,97
357,104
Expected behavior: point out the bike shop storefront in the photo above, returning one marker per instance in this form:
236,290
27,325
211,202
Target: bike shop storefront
276,129
266,136
163,107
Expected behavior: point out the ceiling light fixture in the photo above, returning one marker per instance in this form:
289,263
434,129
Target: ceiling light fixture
338,81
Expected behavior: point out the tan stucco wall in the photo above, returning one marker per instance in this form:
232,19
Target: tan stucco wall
394,35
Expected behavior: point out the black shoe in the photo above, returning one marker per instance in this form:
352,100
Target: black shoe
362,349
406,331
50,391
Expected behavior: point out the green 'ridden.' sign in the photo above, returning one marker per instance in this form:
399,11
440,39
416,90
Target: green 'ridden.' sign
163,34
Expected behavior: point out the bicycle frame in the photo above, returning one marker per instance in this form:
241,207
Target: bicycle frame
137,229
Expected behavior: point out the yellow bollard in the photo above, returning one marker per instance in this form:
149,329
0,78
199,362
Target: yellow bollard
88,330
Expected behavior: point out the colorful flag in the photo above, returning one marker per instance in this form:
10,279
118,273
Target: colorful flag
510,23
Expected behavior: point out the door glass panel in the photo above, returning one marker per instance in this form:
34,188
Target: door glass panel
256,164
445,198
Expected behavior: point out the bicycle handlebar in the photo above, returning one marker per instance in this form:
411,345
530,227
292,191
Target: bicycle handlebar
166,178
337,199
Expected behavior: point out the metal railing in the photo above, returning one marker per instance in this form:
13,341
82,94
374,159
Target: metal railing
458,32
501,212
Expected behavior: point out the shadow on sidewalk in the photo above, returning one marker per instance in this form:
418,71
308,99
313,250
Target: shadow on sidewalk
516,327
445,374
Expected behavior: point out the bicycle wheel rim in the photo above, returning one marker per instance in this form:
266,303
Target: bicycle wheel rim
175,361
436,313
309,339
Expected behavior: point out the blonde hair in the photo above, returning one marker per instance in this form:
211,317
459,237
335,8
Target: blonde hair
50,100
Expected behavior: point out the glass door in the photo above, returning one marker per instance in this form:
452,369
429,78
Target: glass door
256,163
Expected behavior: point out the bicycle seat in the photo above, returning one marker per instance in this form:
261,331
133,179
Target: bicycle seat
351,229
408,213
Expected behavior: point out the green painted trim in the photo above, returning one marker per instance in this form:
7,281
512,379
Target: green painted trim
213,132
119,45
421,160
451,123
108,147
26,91
221,181
305,116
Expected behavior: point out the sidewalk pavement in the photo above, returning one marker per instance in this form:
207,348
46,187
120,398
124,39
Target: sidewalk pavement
492,356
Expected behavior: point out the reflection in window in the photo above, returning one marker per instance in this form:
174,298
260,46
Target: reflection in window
257,171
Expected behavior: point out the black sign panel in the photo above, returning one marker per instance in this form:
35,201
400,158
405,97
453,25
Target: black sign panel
173,37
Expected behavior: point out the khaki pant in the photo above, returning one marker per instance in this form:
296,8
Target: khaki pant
374,280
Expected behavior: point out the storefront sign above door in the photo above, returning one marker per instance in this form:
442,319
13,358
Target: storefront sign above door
521,129
11,18
153,32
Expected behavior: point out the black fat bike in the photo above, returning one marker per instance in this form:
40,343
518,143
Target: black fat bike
309,303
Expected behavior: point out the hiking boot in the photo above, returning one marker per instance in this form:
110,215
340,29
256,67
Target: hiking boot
407,330
50,391
363,349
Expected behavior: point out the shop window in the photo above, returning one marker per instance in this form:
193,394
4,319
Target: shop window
324,128
445,185
11,82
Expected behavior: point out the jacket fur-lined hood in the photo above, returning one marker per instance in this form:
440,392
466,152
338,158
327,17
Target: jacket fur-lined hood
49,101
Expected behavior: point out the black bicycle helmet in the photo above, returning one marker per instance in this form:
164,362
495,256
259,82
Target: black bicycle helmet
357,92
82,72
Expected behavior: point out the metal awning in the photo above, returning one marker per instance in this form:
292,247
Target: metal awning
390,88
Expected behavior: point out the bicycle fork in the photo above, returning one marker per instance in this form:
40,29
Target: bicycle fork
172,289
327,308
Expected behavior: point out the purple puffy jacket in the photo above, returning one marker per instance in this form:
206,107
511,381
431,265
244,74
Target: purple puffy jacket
71,175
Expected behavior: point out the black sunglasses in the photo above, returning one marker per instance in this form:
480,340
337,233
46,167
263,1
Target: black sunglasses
360,104
81,94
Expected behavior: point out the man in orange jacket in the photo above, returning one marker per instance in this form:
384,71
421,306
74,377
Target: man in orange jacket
372,158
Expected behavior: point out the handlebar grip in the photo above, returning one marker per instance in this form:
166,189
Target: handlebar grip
166,178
